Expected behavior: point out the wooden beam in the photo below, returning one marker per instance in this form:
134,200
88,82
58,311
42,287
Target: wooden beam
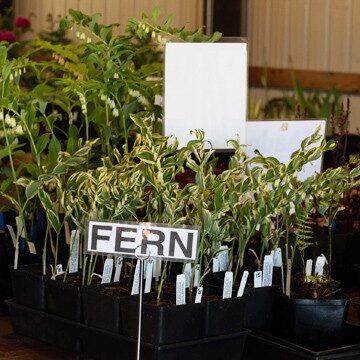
320,80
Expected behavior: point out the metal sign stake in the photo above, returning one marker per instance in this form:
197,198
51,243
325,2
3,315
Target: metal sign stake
141,258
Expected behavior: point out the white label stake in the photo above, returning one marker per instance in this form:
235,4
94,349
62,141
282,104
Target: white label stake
268,270
228,284
148,275
74,248
224,258
180,290
187,272
215,264
243,283
199,292
136,282
308,269
107,271
278,262
257,279
118,266
319,266
197,275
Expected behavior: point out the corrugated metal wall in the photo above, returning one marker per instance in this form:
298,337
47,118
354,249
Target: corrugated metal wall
306,34
185,12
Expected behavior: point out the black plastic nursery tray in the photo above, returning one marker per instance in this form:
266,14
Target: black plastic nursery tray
102,345
265,346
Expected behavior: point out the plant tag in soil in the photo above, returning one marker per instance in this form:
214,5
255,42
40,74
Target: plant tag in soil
118,266
59,269
243,281
148,275
157,269
228,284
215,264
197,275
74,251
187,273
12,234
308,269
268,270
278,258
257,279
319,266
223,258
199,292
107,271
180,290
31,247
136,282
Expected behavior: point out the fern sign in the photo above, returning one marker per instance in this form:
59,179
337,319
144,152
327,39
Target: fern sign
175,243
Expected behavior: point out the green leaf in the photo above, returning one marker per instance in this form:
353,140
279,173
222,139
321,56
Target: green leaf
32,189
42,142
147,157
60,169
54,149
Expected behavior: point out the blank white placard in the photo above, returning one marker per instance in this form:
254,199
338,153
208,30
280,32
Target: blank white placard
206,88
280,138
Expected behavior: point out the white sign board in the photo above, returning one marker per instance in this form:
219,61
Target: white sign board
280,138
161,241
206,88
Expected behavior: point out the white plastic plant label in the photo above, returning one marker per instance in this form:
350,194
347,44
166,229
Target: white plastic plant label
257,279
243,281
59,269
187,272
31,247
148,275
223,258
278,262
319,266
107,271
215,264
268,270
118,266
197,275
12,234
136,282
157,269
74,251
199,293
308,269
228,285
180,290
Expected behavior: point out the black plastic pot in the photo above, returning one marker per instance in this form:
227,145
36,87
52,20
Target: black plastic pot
63,299
264,308
162,324
102,311
102,345
357,307
345,345
224,316
28,285
309,319
45,327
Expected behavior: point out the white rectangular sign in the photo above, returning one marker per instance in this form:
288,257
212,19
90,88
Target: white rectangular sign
280,138
206,88
161,241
